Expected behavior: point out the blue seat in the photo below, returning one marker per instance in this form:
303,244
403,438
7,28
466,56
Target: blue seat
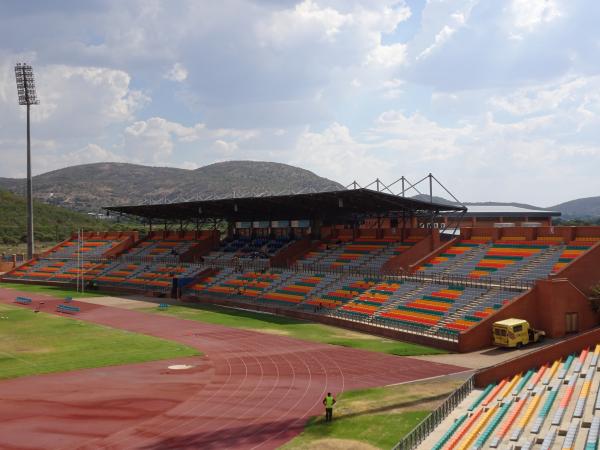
23,300
68,309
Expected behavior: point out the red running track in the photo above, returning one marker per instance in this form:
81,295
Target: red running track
250,390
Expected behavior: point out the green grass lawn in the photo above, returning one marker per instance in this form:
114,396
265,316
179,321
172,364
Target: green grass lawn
377,417
295,328
55,291
35,343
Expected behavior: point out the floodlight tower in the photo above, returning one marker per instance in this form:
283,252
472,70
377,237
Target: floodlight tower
28,97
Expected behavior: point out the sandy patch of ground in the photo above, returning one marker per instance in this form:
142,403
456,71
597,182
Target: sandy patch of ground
354,335
335,444
402,398
269,331
119,302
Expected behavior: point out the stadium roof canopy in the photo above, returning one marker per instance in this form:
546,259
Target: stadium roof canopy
323,205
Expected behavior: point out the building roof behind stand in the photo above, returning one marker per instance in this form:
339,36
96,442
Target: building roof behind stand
323,205
507,211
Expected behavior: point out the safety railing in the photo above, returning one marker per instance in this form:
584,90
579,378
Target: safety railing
427,425
243,264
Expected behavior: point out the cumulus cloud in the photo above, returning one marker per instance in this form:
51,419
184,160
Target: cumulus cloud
177,73
48,155
88,99
387,55
528,14
500,99
154,140
306,19
333,152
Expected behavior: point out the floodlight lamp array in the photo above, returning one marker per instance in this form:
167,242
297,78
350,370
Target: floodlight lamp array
26,85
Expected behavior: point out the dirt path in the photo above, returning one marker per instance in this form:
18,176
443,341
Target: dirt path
250,390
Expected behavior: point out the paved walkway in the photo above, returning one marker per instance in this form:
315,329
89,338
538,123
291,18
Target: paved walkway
486,357
250,390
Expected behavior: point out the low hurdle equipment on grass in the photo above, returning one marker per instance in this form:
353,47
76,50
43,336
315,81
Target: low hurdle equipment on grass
67,309
23,300
163,306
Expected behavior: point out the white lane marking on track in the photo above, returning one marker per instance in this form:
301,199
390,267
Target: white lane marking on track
308,385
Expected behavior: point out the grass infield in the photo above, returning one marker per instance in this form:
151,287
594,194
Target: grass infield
298,329
54,291
374,418
35,343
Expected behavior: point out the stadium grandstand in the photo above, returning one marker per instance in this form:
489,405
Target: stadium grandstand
355,258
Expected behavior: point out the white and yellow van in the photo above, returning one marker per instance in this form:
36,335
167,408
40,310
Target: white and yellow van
515,333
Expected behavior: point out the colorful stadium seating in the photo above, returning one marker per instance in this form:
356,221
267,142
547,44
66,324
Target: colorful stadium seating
555,406
362,253
61,263
156,248
572,251
510,258
296,291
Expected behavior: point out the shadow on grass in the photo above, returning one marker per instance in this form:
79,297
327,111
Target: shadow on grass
235,312
60,291
393,406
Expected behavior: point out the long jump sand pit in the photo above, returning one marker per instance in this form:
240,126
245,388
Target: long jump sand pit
250,390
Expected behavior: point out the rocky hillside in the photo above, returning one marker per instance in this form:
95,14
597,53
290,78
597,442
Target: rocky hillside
89,187
582,207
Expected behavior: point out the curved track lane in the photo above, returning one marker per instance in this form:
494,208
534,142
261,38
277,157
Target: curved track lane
250,391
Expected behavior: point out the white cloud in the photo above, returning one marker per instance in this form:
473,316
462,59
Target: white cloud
439,40
88,99
318,83
48,155
224,148
155,140
177,73
528,14
456,21
387,55
545,97
336,154
418,137
289,26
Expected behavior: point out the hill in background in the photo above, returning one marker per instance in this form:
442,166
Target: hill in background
51,223
582,207
89,187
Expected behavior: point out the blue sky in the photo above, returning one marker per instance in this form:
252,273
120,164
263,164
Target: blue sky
499,99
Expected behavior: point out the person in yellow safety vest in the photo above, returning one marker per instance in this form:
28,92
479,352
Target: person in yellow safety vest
328,402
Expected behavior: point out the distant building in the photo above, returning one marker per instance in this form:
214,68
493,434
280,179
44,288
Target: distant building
490,216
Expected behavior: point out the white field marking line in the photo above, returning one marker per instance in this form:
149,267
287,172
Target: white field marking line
239,386
406,382
281,398
237,389
10,355
302,418
291,384
192,407
290,411
307,386
137,427
447,375
249,395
